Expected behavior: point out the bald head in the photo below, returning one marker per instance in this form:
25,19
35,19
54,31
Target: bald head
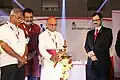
51,24
51,18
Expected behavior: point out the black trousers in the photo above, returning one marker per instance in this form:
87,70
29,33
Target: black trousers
12,72
97,72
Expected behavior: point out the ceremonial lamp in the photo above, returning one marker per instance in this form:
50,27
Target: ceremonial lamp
66,62
65,56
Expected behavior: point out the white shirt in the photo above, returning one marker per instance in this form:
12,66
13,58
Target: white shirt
8,33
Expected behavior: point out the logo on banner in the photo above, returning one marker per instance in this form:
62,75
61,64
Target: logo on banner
76,27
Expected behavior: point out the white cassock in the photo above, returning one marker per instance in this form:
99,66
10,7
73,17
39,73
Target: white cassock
48,41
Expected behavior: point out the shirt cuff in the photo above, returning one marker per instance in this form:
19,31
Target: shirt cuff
91,53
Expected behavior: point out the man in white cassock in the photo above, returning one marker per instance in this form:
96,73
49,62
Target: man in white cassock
49,42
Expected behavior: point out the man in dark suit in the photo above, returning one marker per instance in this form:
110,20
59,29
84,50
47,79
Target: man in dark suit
98,43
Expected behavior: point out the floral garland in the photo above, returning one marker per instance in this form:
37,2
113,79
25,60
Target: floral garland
67,65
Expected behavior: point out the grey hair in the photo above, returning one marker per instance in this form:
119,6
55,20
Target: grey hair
15,11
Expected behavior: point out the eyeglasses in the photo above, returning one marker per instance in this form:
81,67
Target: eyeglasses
52,24
19,18
96,20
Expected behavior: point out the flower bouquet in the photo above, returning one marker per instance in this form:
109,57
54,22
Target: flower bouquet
67,65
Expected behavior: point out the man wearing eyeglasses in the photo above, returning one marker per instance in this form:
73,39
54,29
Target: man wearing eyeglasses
98,43
49,42
13,48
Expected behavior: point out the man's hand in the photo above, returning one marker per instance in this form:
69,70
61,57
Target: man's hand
22,60
54,58
57,56
31,55
94,58
90,54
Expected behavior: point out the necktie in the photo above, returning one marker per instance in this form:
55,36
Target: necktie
96,33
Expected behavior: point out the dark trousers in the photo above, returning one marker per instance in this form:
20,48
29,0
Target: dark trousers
97,72
32,78
89,73
12,72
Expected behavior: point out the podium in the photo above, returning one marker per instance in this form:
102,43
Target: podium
78,72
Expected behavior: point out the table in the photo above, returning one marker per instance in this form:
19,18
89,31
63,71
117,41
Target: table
78,72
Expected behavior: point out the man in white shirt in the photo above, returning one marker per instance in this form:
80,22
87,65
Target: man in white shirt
13,48
49,41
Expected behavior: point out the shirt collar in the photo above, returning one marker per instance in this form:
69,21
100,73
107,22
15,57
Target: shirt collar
12,25
98,28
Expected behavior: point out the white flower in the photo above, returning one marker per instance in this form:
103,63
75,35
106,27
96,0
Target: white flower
66,67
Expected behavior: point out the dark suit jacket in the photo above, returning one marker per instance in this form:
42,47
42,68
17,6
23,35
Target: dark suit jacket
100,46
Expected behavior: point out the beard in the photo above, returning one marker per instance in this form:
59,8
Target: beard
29,22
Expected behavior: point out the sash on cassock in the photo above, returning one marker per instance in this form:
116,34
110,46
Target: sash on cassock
51,51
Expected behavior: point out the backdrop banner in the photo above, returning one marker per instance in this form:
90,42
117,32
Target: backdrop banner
75,33
116,27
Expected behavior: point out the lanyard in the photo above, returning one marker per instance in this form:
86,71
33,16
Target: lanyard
54,40
26,31
16,34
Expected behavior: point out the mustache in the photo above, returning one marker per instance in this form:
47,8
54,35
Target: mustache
29,21
95,23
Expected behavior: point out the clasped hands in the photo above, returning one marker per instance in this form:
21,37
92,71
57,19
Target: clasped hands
21,61
92,56
57,57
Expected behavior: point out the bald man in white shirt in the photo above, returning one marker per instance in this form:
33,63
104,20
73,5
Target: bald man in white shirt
49,41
